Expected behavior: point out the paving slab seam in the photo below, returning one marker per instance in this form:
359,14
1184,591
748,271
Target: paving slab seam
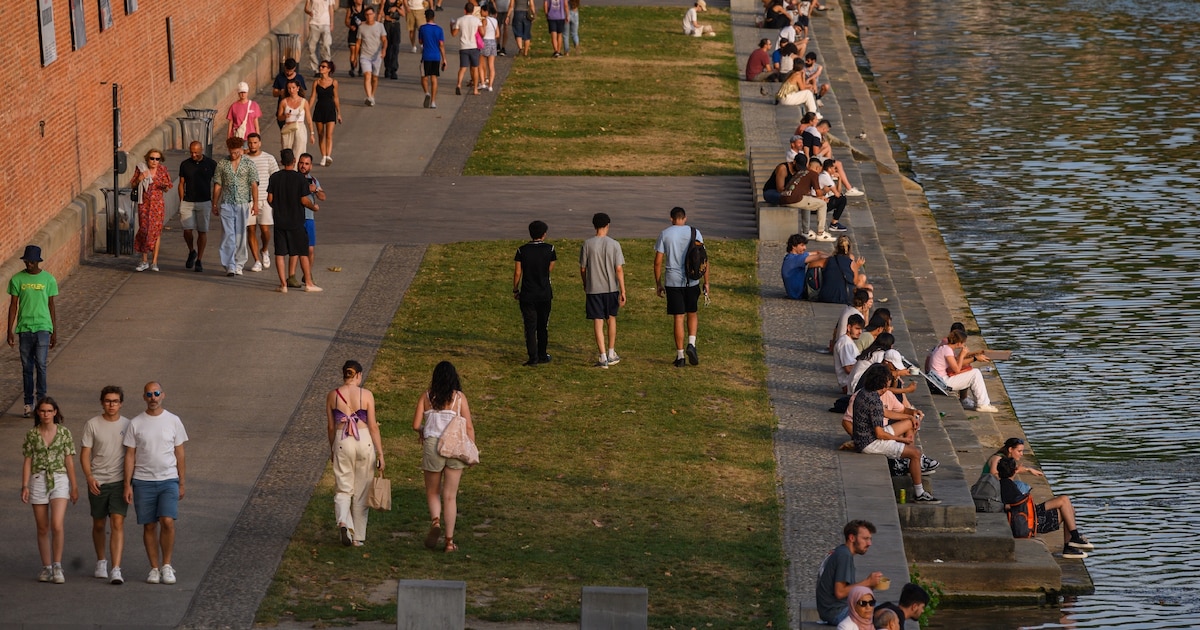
231,591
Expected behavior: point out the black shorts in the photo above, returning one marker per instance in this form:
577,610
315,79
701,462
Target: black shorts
682,300
557,26
602,305
468,58
431,68
1047,520
291,242
802,21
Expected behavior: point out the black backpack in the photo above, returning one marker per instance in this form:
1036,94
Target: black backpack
986,494
695,261
814,277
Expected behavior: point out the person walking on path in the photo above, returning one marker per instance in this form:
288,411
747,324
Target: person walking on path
571,37
31,321
102,458
393,18
433,57
326,109
47,481
155,473
441,403
349,414
243,113
670,279
152,181
372,40
490,30
279,85
532,290
320,33
602,267
288,193
235,198
502,12
556,22
259,224
465,27
354,19
195,203
414,10
297,120
521,20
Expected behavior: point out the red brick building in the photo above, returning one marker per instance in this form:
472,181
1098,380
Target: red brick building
56,119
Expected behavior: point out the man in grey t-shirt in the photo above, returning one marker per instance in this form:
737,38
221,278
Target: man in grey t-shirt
103,461
602,267
837,574
372,39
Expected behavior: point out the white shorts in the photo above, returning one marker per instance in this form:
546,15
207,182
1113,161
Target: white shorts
194,215
264,216
373,65
891,448
37,488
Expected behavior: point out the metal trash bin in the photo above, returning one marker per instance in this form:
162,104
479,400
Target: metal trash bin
121,217
286,45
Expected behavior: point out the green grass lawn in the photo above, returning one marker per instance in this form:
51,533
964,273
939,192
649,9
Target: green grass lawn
639,475
640,99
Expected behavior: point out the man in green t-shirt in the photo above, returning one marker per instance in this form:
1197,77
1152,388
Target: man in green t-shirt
31,319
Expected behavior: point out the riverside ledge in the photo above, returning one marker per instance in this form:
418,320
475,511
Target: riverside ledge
974,556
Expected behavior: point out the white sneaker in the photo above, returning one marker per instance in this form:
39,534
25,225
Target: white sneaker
115,577
168,574
46,575
602,362
414,49
824,237
142,266
811,235
613,359
153,577
987,409
854,192
101,570
154,268
257,266
266,259
59,578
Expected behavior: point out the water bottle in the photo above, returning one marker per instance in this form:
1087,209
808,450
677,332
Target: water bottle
903,496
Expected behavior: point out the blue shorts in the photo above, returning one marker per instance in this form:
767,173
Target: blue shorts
153,500
310,226
522,28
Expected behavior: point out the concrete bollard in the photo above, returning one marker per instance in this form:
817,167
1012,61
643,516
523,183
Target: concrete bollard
613,608
431,605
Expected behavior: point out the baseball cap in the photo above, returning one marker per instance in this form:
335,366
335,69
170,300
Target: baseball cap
243,87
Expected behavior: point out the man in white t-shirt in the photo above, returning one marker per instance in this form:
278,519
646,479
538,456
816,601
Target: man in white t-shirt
154,479
103,461
465,28
320,35
260,224
845,355
692,25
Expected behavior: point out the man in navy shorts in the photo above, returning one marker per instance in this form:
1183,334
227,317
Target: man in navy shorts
433,57
602,267
154,479
683,294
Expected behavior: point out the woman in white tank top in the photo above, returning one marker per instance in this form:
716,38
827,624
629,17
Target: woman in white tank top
435,409
297,120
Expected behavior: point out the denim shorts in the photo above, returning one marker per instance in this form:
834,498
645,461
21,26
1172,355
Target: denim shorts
153,500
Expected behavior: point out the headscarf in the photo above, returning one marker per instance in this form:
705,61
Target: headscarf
863,622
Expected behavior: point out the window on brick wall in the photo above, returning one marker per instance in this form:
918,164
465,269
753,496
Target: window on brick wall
106,16
78,25
130,6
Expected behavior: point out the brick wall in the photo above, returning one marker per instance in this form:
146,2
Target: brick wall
56,121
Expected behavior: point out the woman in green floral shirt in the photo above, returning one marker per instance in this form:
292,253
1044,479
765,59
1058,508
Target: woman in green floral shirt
47,481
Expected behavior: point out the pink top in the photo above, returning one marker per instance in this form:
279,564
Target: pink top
937,360
237,113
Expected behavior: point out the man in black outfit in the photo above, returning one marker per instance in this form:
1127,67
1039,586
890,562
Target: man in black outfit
531,288
913,600
288,194
195,202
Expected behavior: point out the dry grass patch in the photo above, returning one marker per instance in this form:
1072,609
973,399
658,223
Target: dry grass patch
642,99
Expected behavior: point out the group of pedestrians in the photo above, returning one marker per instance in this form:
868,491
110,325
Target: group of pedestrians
602,270
124,461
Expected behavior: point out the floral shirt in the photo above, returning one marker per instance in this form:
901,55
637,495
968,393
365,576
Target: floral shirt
236,186
48,459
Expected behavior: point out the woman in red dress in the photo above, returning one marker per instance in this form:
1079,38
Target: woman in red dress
151,180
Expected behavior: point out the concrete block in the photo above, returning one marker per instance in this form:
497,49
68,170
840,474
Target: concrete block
992,541
614,608
777,223
431,605
1034,570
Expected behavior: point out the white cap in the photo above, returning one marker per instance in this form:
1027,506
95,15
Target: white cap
243,87
895,358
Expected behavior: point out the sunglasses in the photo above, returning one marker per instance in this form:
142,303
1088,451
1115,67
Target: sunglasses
153,394
154,159
866,602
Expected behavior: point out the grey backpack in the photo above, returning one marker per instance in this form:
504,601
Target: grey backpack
986,494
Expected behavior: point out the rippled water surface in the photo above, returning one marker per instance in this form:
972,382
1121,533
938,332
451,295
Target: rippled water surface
1057,141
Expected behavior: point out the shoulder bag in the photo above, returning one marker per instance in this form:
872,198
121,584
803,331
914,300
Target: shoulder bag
455,443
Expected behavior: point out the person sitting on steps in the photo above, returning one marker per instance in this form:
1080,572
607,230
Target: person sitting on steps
872,434
1049,513
951,362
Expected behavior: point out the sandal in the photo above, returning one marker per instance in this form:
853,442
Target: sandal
345,533
435,532
450,546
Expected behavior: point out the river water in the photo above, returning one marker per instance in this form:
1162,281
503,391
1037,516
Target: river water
1057,143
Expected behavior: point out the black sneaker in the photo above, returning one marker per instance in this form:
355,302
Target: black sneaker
898,466
680,362
925,497
545,358
1081,542
530,363
837,227
503,53
692,356
199,267
191,260
929,466
1073,553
